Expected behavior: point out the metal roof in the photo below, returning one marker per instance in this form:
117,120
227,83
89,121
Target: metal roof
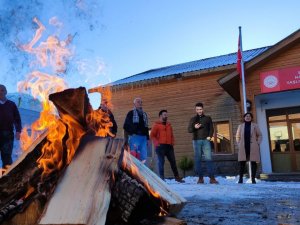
201,64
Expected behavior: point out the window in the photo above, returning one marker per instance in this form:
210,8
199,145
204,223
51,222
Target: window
222,138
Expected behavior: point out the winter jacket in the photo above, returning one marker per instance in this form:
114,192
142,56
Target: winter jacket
10,117
135,128
162,133
255,140
206,129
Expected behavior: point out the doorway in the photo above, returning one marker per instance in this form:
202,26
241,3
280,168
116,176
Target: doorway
284,138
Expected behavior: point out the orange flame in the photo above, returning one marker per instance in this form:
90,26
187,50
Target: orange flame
99,119
30,190
41,85
52,52
56,152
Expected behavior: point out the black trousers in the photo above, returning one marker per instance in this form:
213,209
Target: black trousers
6,147
243,166
166,150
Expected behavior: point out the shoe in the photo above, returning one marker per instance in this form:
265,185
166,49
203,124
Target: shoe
213,181
253,181
240,180
179,179
200,180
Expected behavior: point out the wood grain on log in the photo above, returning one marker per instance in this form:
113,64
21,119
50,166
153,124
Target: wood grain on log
83,193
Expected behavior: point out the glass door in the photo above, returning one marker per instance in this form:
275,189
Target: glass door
295,130
284,137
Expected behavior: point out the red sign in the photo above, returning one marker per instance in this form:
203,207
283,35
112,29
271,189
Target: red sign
280,80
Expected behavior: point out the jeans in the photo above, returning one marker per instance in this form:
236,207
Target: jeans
203,148
138,146
166,150
6,147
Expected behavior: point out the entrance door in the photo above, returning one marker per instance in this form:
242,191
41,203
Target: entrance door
284,137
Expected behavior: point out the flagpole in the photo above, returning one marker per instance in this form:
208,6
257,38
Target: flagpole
243,72
244,88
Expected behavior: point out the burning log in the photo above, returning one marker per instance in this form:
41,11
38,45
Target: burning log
128,201
19,185
172,202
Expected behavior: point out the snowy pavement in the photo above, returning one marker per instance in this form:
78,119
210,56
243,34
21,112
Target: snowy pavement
264,203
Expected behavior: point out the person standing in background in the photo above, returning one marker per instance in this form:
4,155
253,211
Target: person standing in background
248,138
9,120
202,128
163,139
136,131
104,108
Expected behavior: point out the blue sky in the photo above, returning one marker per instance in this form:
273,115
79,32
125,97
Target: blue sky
116,39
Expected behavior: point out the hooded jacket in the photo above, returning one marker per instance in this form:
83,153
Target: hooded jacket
162,133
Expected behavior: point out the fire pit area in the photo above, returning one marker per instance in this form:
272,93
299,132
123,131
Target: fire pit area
74,173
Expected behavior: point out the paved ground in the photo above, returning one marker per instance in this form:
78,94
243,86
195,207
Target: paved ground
265,203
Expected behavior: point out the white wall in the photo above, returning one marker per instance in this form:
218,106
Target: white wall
272,101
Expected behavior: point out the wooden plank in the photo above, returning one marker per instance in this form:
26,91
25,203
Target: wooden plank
83,194
176,202
171,221
27,217
163,220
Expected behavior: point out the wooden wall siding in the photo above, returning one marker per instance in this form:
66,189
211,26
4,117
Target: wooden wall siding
179,96
288,58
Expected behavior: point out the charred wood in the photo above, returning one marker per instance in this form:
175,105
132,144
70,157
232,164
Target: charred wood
73,102
130,202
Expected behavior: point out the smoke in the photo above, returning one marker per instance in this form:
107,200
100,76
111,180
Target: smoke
78,18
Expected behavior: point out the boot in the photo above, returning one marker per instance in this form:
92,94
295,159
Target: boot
200,180
213,181
253,172
241,179
241,172
179,179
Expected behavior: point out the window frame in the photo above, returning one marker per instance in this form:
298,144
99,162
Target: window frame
214,139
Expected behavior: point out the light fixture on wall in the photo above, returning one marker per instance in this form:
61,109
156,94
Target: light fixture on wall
248,105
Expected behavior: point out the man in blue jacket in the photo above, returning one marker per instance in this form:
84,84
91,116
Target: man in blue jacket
9,119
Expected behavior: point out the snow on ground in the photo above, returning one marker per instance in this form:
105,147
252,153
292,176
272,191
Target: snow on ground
232,203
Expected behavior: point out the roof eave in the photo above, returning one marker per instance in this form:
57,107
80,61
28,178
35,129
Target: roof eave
177,76
230,82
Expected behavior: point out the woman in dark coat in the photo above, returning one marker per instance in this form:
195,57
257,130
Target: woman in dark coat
248,138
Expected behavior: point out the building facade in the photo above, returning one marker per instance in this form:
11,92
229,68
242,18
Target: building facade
273,86
215,83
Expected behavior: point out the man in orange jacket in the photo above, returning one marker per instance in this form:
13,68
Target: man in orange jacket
163,139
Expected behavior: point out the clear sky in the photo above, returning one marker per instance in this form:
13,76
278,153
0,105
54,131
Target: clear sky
115,39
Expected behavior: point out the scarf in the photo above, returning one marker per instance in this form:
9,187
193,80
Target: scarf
135,118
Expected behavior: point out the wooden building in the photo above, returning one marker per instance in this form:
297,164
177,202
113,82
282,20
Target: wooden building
214,82
273,88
